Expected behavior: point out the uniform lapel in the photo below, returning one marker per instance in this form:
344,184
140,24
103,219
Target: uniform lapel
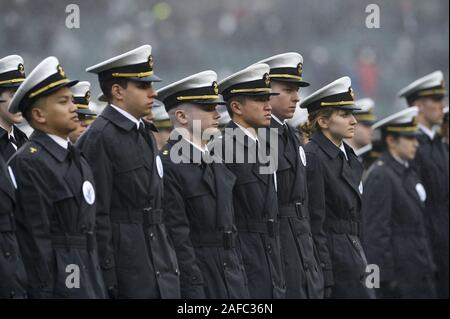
349,175
351,170
408,182
225,180
208,177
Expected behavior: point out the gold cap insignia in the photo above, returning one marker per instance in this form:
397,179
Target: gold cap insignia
300,68
352,93
21,69
87,96
61,71
150,61
266,79
215,88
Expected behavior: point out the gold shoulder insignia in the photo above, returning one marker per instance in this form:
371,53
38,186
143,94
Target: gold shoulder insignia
33,150
165,152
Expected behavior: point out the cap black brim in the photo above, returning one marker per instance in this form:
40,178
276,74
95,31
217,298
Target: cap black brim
337,107
348,107
293,81
211,101
86,112
10,86
410,134
151,78
259,94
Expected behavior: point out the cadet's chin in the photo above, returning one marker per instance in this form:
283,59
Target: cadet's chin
290,114
266,122
211,131
349,135
17,118
412,155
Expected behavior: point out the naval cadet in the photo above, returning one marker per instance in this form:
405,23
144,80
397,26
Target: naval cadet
334,182
55,189
198,194
137,258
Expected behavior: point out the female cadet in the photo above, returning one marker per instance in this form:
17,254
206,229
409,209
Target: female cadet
393,213
334,183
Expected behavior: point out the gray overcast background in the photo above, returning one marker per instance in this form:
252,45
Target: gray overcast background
190,36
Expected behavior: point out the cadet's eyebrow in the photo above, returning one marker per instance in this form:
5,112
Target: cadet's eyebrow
65,97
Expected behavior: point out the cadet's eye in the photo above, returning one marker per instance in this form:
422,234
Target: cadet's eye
144,85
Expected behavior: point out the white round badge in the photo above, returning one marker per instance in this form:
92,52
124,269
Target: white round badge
88,192
421,191
159,166
302,155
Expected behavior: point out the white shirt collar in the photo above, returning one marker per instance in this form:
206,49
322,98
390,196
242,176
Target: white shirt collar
9,134
12,133
247,132
60,141
203,150
402,162
430,133
127,115
342,147
278,120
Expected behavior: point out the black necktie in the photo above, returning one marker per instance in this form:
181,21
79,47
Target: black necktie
146,135
285,133
74,155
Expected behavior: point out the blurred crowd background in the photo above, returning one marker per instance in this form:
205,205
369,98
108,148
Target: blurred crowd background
190,36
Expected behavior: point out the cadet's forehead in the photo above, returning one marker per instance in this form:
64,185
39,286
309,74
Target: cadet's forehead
64,92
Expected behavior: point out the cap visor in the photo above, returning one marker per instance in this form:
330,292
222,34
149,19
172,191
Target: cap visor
258,94
210,101
348,107
294,81
86,112
10,86
152,78
411,134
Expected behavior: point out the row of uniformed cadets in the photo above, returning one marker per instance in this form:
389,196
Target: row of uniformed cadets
140,224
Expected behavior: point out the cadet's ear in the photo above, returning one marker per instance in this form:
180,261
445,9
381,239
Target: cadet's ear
323,122
38,115
117,92
236,107
391,141
181,116
38,111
